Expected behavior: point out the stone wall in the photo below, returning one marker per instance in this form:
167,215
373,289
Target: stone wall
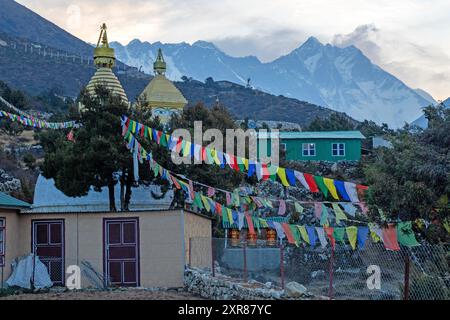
220,287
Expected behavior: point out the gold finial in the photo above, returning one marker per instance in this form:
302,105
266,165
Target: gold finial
160,66
104,55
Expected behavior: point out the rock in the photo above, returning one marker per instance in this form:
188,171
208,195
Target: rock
334,167
295,290
268,285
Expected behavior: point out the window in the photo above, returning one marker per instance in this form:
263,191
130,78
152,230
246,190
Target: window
2,241
283,146
309,149
338,149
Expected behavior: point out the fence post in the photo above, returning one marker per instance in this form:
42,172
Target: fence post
330,290
213,267
190,252
282,266
406,281
245,261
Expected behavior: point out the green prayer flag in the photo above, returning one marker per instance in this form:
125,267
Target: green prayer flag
198,201
405,234
163,141
321,185
295,232
338,234
340,215
324,216
298,208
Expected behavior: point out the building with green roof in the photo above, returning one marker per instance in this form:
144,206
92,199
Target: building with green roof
8,202
331,146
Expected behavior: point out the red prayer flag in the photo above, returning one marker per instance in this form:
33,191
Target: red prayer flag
329,232
251,228
311,183
288,233
390,238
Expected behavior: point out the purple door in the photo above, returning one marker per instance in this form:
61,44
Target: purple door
48,244
121,251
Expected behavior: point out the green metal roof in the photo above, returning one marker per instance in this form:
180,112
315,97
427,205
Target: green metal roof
315,135
7,201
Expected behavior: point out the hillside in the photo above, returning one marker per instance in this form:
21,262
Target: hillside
18,21
43,68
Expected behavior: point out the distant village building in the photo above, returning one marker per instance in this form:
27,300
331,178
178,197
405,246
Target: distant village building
161,95
331,146
147,246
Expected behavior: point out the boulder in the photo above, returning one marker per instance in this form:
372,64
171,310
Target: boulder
295,290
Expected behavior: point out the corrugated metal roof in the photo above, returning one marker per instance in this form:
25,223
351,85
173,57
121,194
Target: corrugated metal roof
314,135
48,199
7,201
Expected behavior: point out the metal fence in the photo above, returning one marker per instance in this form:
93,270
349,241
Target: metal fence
418,273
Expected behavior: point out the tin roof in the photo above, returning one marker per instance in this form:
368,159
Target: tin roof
313,135
48,199
6,201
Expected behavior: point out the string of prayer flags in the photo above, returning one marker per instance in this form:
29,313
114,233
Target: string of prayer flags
37,123
318,210
390,238
349,208
405,234
338,190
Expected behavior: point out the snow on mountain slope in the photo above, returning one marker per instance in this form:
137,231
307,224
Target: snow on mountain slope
343,79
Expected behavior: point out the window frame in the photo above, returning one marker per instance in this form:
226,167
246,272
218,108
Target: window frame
309,149
283,147
338,150
3,241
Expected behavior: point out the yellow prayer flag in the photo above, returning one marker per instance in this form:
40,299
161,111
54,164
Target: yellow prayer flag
304,233
206,203
340,215
352,233
329,183
282,174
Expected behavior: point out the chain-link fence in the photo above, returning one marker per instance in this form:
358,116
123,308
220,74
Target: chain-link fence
369,273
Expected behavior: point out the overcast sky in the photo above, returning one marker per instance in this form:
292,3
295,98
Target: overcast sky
409,38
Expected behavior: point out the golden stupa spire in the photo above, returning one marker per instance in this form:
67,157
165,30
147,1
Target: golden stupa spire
104,56
159,67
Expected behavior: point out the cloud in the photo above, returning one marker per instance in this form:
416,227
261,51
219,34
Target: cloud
419,66
404,36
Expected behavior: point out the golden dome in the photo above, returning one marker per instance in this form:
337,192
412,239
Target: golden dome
106,78
161,92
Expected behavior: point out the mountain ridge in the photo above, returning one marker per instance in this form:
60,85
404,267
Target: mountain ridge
343,79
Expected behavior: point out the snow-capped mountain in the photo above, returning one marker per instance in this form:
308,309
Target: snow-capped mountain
343,79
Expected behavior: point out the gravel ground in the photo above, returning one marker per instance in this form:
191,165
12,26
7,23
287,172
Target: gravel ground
106,295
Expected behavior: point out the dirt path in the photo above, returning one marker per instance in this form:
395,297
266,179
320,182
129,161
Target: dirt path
107,295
